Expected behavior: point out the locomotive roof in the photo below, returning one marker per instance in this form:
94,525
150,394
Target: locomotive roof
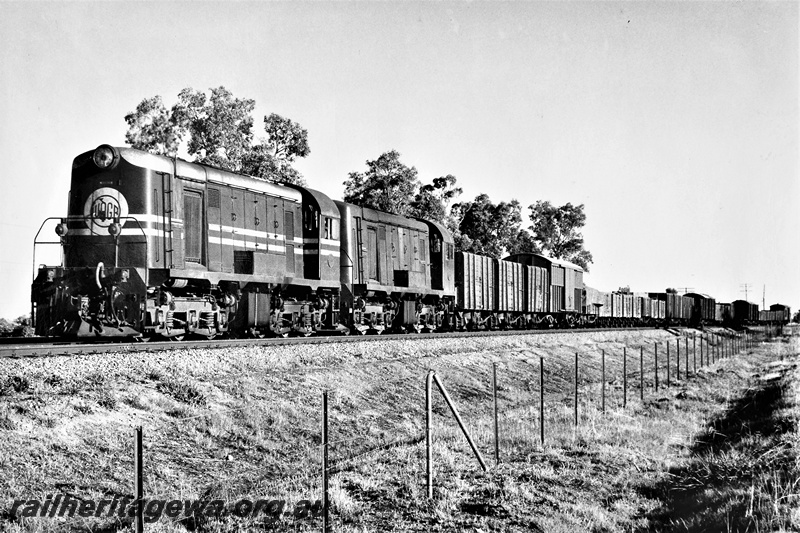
387,218
206,173
447,236
326,206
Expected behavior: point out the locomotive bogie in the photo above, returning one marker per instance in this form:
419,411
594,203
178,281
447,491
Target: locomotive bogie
181,316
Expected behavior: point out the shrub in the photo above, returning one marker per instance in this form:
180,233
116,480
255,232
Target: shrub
181,391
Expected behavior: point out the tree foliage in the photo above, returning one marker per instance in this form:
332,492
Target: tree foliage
220,128
387,185
484,227
19,327
433,200
218,131
556,230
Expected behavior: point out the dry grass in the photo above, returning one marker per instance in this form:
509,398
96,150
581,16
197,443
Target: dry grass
257,435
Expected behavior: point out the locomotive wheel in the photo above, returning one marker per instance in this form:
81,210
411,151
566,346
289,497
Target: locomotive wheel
176,338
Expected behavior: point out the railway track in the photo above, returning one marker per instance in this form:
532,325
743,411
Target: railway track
45,347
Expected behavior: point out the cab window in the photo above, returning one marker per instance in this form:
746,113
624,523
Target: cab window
331,230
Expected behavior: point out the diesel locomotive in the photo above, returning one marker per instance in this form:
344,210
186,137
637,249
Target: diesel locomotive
155,246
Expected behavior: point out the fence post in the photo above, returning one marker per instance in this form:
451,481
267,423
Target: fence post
460,422
655,366
686,345
496,428
576,389
541,400
625,377
701,351
694,353
428,434
641,373
677,359
137,478
325,500
603,379
667,343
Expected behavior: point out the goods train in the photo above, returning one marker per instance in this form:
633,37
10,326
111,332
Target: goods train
154,246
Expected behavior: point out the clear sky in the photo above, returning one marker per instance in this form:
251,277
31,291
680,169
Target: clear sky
675,123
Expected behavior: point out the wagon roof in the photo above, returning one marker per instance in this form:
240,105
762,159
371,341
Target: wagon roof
559,262
698,295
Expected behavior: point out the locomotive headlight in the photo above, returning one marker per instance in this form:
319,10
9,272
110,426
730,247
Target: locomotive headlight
114,229
104,157
61,229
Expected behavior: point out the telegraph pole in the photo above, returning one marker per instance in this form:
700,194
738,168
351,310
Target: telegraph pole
744,287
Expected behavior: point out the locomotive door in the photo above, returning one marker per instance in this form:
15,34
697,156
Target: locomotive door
288,226
170,225
255,208
276,236
373,258
237,220
383,253
159,245
395,244
414,238
402,249
214,230
193,226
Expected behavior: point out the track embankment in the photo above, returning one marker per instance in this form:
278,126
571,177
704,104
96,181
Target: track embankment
244,423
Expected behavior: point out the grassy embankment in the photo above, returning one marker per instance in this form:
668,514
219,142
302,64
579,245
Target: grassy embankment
716,451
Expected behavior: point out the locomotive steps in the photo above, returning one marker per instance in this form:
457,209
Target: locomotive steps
245,422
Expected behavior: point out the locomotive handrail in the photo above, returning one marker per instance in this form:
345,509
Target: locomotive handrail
72,218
